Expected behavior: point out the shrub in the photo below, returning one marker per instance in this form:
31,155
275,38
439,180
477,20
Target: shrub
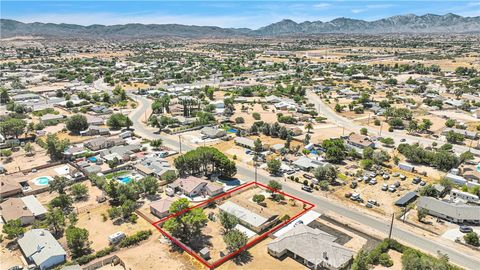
385,260
134,239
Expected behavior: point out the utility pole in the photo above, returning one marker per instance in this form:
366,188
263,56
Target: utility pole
255,165
391,227
180,143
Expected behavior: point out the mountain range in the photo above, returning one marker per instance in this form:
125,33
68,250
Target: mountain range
428,23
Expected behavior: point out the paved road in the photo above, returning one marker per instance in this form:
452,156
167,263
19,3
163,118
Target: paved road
350,125
468,261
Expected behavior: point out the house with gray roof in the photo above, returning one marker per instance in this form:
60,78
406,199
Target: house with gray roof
308,164
453,212
213,132
253,220
40,248
154,166
312,247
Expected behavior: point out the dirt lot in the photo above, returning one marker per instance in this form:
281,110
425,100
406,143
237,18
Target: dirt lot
153,254
100,230
89,202
21,160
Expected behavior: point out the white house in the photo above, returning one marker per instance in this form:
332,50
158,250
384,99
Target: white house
40,248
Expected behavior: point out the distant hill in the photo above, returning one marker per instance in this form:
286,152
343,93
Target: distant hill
429,23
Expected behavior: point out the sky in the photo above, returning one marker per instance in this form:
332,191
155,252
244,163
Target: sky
251,14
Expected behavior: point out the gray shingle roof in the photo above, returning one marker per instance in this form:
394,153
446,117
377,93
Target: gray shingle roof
457,211
243,214
40,245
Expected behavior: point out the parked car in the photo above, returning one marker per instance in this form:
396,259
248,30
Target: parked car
392,188
402,140
397,184
373,182
402,177
307,188
423,183
385,187
416,180
465,229
353,184
373,202
386,176
355,197
396,174
369,205
373,174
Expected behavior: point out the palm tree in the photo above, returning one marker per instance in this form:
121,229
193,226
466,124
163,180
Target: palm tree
309,127
29,149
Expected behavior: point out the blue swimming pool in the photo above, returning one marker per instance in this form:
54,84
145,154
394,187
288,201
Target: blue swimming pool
93,159
125,179
232,130
42,180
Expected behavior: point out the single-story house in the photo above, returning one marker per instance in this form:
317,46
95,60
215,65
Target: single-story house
312,247
9,187
453,212
154,166
360,141
40,248
193,186
160,208
256,221
307,164
27,209
213,132
245,142
51,118
95,130
103,143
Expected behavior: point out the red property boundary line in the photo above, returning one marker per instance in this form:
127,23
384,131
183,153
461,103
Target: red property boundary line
217,263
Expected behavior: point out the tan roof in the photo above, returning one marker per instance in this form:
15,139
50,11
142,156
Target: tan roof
14,208
143,169
360,139
162,205
190,183
8,185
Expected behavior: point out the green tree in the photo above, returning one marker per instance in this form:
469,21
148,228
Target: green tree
77,241
79,191
450,123
471,238
13,228
4,97
186,225
12,127
156,144
428,190
149,185
327,172
117,121
274,186
58,184
77,123
228,221
28,148
55,220
454,137
273,166
56,147
363,131
258,198
205,160
309,127
62,202
421,214
387,141
235,239
334,150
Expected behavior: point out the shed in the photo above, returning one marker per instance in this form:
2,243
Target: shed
406,199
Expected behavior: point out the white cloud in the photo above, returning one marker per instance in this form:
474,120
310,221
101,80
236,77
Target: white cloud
322,5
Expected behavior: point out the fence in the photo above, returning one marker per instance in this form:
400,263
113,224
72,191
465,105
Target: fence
115,260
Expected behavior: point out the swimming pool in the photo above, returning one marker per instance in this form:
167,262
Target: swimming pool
232,130
124,179
478,167
42,180
92,159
